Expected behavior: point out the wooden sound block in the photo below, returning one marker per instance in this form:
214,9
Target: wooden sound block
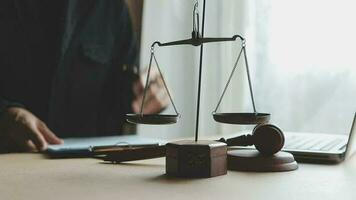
252,160
191,159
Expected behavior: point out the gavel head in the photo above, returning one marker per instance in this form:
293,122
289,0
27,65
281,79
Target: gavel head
268,139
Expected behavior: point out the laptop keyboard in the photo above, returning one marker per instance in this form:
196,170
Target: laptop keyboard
296,142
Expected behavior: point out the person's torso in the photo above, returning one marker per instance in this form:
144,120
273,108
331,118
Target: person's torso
91,90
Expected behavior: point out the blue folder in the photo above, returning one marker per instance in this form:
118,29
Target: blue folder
81,147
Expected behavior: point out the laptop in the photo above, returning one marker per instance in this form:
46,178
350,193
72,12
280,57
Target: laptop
321,148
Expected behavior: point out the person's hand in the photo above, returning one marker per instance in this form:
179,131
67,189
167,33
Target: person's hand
23,131
156,98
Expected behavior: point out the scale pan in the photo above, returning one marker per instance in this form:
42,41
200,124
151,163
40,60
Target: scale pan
152,119
242,118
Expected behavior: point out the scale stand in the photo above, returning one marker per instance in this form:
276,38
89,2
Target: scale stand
198,158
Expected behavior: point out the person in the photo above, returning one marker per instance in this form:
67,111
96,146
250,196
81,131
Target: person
68,69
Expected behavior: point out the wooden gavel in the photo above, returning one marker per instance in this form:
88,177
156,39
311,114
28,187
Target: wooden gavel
267,138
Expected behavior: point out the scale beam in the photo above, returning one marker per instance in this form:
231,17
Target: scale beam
198,41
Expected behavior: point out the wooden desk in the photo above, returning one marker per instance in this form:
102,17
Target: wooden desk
31,176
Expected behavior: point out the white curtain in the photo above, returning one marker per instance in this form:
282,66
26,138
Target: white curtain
300,55
167,21
305,66
172,20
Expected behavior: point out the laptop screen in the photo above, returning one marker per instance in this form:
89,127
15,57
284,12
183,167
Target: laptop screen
350,148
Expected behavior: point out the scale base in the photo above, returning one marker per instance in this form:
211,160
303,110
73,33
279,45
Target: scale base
252,160
191,159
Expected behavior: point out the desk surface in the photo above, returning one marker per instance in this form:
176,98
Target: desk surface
31,176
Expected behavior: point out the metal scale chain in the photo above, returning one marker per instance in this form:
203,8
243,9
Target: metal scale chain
153,57
242,51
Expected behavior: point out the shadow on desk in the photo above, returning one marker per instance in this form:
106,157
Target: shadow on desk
163,178
130,164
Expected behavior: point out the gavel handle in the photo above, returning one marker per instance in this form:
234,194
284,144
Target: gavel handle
243,140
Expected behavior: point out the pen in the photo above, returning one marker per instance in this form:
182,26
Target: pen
113,148
118,155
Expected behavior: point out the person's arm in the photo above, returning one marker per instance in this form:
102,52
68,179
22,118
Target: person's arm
156,98
4,104
20,130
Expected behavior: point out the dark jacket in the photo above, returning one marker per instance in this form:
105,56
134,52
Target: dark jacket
70,63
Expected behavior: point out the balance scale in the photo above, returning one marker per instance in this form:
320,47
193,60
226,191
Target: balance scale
204,158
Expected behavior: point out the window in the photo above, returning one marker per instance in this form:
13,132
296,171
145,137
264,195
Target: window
301,55
305,67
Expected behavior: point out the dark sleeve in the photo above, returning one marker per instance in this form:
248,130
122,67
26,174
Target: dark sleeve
127,41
